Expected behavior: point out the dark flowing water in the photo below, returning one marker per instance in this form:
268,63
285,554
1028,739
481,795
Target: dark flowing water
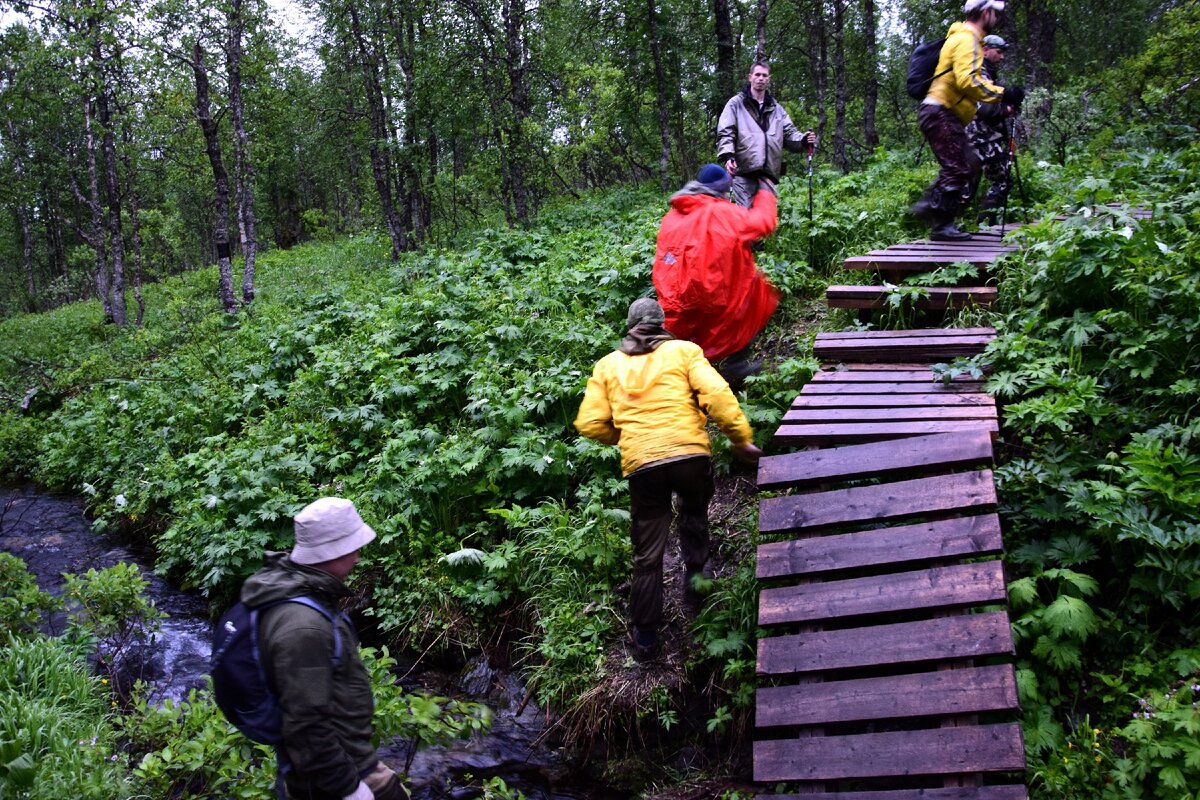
52,534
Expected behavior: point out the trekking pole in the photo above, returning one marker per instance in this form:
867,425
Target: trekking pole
811,146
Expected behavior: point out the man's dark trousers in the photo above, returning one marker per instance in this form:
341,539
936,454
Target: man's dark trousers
650,492
947,137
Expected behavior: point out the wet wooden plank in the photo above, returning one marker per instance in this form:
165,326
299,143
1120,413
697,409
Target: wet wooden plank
923,333
952,399
962,636
921,694
952,451
997,792
893,414
923,541
920,262
884,376
939,494
798,434
892,387
954,586
940,751
937,297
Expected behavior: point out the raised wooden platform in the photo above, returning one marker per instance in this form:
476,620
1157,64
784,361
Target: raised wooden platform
887,673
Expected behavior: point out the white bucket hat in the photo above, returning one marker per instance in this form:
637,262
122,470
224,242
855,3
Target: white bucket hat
976,5
329,528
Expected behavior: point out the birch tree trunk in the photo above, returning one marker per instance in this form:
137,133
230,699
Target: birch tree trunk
24,221
112,189
871,90
840,90
243,167
212,144
660,85
381,168
726,69
760,32
96,236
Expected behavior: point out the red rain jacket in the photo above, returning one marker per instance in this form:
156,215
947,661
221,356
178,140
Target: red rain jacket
704,270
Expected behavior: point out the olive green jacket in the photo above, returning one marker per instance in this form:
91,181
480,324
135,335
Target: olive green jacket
327,713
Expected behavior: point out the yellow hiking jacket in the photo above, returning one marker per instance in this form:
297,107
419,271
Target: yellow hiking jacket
964,83
655,406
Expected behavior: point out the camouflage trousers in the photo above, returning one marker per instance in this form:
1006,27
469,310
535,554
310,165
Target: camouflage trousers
994,155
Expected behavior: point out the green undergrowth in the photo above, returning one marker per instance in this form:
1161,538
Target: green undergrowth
1099,478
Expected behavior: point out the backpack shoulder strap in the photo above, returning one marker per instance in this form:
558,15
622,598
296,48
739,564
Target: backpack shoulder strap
304,600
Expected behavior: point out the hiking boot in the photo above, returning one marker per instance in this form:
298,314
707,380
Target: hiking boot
923,210
948,232
643,645
737,368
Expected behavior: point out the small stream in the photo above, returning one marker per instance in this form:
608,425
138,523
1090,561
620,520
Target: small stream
52,534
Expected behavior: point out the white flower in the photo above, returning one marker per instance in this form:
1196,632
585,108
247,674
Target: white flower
89,489
549,459
123,405
119,501
211,500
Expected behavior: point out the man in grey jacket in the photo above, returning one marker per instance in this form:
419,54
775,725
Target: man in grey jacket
752,133
327,703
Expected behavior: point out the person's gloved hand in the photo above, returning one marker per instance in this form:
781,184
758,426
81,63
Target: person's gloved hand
362,792
1013,96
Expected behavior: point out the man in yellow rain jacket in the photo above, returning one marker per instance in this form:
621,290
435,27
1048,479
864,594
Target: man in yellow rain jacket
653,397
958,84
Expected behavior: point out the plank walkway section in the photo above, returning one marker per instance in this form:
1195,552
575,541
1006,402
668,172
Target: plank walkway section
899,261
887,672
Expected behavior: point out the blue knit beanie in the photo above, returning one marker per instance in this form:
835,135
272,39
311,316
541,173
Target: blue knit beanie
715,177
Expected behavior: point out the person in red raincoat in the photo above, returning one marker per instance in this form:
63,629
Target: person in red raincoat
704,271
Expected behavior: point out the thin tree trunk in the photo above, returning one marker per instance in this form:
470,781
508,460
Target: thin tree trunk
24,223
760,32
112,187
840,90
726,70
820,66
380,162
514,56
1042,35
660,84
212,145
243,167
96,238
134,223
871,91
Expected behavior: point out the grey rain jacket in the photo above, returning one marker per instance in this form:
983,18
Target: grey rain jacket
756,137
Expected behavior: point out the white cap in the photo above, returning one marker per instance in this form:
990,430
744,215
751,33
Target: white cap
329,528
983,5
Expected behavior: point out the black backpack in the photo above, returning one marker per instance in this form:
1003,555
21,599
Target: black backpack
921,64
239,679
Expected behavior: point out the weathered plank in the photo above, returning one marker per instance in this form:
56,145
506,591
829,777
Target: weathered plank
940,639
830,433
908,350
921,694
908,413
939,494
892,387
954,586
953,451
923,333
923,541
884,376
892,400
924,262
939,751
997,792
936,297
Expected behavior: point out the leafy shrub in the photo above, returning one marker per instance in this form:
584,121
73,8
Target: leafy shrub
22,603
55,737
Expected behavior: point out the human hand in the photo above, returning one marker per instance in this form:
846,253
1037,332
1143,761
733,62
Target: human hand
748,453
361,792
731,166
810,139
1013,96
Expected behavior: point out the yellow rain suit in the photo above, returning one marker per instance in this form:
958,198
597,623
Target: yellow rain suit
960,82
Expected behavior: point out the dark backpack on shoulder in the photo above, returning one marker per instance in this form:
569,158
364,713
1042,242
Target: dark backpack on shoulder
921,64
239,678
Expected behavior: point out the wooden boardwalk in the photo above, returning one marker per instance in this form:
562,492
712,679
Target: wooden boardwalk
887,670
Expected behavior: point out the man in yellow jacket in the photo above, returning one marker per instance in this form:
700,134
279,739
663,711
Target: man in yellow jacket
653,397
959,83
